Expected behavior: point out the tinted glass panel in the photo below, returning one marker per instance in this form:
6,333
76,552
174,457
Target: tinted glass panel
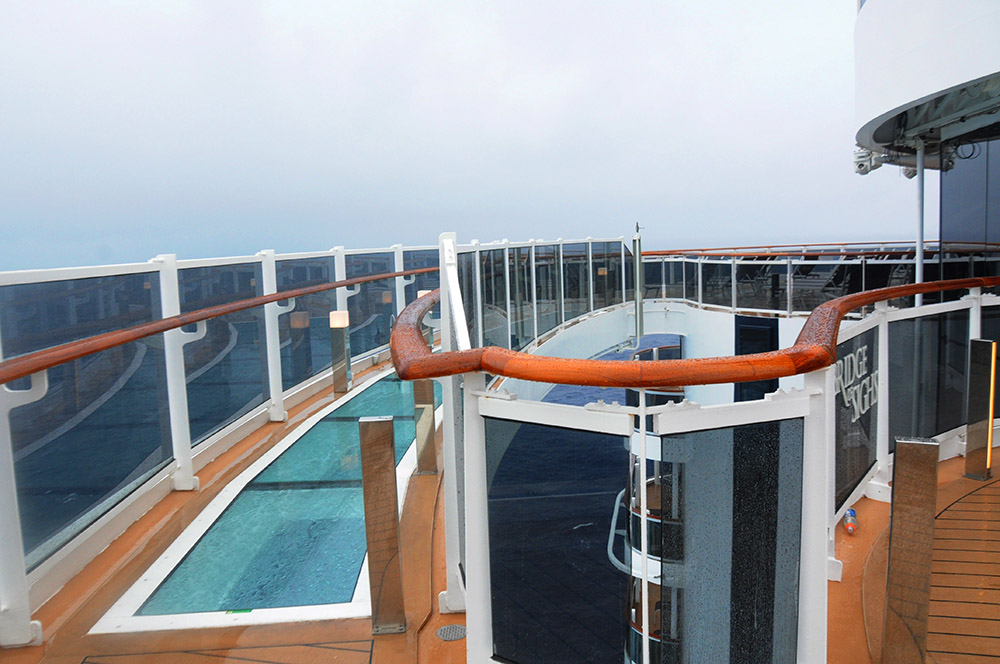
373,309
494,288
521,309
691,277
305,331
963,198
762,286
547,287
856,398
227,369
814,283
717,285
556,597
576,280
467,284
652,279
423,258
927,365
755,335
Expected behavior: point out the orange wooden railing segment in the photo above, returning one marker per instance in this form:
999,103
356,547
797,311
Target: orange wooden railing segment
815,348
30,363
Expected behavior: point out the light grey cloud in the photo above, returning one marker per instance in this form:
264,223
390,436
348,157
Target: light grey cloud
221,128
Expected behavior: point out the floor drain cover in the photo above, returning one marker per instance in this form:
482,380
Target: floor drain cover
451,632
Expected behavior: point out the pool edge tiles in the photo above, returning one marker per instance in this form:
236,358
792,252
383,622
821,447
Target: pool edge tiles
122,616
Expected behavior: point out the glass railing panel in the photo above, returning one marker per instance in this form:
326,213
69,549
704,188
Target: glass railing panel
416,259
629,267
556,597
576,280
882,274
304,333
856,406
606,261
652,279
494,290
814,283
990,329
521,309
717,283
673,278
467,286
101,430
547,287
927,374
226,370
691,278
46,314
762,285
373,309
740,571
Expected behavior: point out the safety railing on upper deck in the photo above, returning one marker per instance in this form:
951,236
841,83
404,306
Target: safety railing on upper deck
755,490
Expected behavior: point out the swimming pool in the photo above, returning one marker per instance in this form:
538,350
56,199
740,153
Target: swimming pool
287,533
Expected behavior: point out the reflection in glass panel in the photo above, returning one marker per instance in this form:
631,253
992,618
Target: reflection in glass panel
762,286
547,287
556,597
414,260
856,399
576,280
673,278
881,274
629,267
652,279
100,431
521,309
304,333
467,285
691,277
227,369
494,289
964,190
717,284
990,329
814,283
373,309
927,367
607,266
739,572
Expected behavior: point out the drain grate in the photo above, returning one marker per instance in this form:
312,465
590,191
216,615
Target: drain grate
451,632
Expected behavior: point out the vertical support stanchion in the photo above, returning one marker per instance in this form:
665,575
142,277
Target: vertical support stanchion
183,477
423,409
979,391
637,277
16,626
479,298
878,487
817,504
507,292
562,285
272,340
590,273
732,282
911,551
478,616
401,282
454,336
340,351
534,294
378,476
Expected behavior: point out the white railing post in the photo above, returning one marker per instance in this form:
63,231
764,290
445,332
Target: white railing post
452,599
878,487
182,477
16,626
590,272
401,282
340,273
269,276
975,313
478,613
817,506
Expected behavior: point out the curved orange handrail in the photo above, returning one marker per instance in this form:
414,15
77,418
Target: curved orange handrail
25,365
815,348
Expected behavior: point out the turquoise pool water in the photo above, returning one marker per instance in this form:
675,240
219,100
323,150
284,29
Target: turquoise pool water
295,535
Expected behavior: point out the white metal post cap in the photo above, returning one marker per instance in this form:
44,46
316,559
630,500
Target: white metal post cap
339,319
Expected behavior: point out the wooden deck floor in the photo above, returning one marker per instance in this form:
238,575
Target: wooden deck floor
964,616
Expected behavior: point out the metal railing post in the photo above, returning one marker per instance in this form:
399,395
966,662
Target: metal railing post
478,615
878,487
272,339
378,476
16,626
817,506
183,477
401,282
452,599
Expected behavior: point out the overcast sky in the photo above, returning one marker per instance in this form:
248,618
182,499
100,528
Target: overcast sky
132,128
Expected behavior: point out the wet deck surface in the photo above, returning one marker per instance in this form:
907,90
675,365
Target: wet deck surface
964,616
70,614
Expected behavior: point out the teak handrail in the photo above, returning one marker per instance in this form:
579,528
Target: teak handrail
815,348
25,365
